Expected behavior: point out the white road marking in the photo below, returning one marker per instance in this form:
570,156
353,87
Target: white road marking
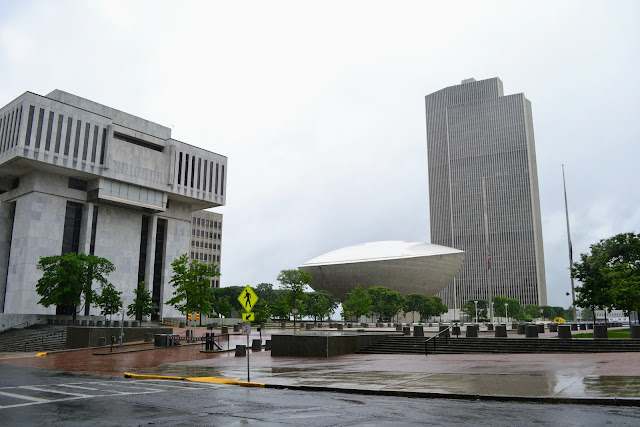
101,387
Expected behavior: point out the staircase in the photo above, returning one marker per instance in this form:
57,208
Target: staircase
34,338
416,345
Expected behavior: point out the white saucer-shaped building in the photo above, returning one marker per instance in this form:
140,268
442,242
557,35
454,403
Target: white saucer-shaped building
406,267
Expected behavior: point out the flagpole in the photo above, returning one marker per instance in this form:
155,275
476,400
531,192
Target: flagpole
566,209
486,242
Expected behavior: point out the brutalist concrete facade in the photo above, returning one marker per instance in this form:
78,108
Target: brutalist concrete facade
475,132
78,176
206,240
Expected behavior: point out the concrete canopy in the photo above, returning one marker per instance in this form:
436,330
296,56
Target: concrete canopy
406,267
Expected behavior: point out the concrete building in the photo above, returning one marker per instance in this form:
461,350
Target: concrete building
475,133
206,239
78,176
405,267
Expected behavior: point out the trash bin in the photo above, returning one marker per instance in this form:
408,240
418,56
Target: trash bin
241,350
256,345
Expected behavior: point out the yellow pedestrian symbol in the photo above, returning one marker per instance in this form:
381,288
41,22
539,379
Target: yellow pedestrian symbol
248,298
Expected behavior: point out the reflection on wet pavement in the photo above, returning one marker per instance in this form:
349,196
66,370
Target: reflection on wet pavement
600,375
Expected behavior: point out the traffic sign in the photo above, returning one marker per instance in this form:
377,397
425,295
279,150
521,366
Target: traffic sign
248,298
248,317
246,330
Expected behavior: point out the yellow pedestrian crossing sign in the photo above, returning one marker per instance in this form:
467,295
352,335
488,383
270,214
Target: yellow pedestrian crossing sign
248,317
248,299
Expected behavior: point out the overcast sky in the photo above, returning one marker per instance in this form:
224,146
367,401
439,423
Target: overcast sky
319,106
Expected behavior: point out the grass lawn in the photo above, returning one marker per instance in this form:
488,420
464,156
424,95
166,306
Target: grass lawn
618,333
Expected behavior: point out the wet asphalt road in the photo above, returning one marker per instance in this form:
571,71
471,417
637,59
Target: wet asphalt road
31,396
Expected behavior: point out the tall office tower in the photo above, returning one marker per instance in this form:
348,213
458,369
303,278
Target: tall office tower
483,191
206,239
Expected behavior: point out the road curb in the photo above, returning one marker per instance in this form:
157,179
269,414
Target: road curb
458,396
214,380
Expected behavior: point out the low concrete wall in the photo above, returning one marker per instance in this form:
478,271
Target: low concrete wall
81,337
301,345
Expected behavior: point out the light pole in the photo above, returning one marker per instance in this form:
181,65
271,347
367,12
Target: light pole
506,312
492,312
476,304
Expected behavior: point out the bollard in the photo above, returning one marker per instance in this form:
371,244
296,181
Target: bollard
92,323
442,328
564,331
349,325
365,325
600,332
236,328
635,332
308,326
319,325
472,331
283,325
134,324
107,323
520,329
76,323
267,345
455,331
540,328
340,326
224,330
583,326
418,331
553,327
490,327
116,323
501,331
398,327
256,345
406,330
531,331
83,323
241,350
125,324
574,326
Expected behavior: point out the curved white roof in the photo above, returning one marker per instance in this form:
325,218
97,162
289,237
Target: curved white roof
378,251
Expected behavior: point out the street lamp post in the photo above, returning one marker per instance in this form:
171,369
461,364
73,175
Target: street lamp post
476,304
492,312
506,312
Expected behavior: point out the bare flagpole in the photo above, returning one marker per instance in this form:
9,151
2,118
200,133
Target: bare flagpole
566,209
486,242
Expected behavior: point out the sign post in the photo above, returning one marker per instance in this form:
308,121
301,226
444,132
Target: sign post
248,300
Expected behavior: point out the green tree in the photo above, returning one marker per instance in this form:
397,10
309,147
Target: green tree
385,301
439,307
469,308
357,303
417,303
295,282
261,311
610,274
67,278
533,311
142,304
109,300
280,308
192,283
514,310
320,304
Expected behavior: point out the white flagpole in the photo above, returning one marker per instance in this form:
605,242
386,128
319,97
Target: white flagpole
566,209
488,253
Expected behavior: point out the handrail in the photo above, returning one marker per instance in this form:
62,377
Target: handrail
62,333
426,343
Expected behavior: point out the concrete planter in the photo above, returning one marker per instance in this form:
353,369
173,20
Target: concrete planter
472,331
418,331
600,332
531,331
501,331
635,332
564,331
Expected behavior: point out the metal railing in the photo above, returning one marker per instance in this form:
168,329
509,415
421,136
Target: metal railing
434,340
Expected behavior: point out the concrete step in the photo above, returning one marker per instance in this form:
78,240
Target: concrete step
416,345
41,338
